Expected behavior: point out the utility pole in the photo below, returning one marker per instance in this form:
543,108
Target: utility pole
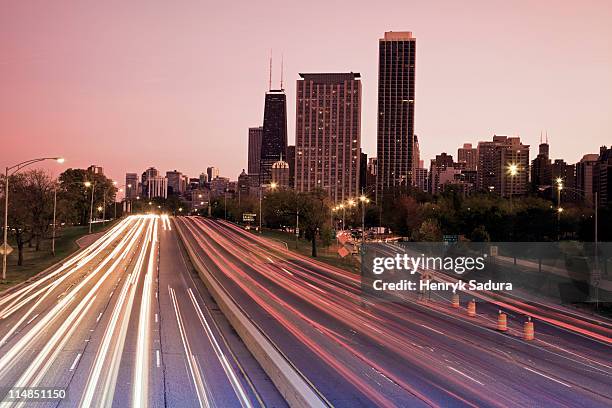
93,188
6,194
54,219
260,187
297,227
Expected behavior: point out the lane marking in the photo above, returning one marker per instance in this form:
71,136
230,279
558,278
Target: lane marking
465,375
76,361
157,358
432,329
32,319
550,378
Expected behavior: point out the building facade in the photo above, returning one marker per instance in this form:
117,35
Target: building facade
328,133
291,161
212,173
585,177
495,158
254,153
274,133
176,182
468,155
280,174
396,100
157,186
131,186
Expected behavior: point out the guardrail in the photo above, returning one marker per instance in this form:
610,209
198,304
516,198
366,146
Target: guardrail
290,382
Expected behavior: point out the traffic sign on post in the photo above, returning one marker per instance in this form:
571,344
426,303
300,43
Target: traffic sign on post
9,249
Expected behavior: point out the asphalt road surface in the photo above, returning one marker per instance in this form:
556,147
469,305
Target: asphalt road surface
124,323
359,351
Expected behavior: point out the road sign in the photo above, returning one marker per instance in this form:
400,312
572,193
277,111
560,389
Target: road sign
342,238
450,238
248,217
9,249
343,251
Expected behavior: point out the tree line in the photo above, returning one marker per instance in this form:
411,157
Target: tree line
31,203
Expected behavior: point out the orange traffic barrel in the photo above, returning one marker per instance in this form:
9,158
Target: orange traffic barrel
455,302
528,333
502,322
471,308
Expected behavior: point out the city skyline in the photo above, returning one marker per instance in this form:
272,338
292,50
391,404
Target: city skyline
129,91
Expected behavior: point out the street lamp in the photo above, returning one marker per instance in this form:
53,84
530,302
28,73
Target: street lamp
513,170
14,169
273,186
93,189
53,234
364,200
559,181
343,214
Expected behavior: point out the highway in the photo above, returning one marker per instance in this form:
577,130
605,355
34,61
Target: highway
124,323
359,351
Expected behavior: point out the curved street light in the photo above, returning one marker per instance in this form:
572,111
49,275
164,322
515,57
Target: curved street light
12,170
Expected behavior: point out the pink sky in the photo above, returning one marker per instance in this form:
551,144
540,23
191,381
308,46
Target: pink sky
127,85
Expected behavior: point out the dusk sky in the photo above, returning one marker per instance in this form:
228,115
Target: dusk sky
175,84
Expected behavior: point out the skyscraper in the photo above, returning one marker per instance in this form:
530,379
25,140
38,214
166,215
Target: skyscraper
585,176
468,155
176,182
328,133
541,170
274,133
395,135
495,158
254,154
212,173
131,186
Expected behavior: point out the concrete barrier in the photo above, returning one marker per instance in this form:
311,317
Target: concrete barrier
293,386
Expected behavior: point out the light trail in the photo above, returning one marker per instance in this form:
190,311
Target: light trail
227,367
9,358
115,333
191,362
141,373
387,325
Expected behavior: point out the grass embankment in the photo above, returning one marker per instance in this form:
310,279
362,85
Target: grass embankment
37,261
328,255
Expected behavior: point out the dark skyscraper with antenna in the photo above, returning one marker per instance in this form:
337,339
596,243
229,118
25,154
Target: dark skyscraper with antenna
274,134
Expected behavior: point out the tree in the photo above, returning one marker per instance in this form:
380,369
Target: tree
30,208
314,215
407,216
75,198
480,234
429,231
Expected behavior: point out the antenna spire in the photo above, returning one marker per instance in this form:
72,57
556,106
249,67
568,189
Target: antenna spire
281,73
547,137
270,79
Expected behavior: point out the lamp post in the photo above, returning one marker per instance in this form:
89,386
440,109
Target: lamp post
225,203
14,169
512,171
54,234
364,200
559,182
273,186
93,189
341,205
54,217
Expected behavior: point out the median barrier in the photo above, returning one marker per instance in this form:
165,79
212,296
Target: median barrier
292,385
